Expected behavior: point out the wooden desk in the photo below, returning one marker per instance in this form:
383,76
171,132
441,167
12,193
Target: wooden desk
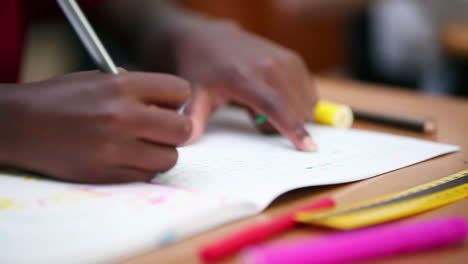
451,115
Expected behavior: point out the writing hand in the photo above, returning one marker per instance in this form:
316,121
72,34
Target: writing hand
94,127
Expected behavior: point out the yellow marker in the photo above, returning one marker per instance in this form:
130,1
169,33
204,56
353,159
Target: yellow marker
326,113
333,114
393,206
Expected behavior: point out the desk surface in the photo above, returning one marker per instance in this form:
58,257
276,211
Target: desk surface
451,115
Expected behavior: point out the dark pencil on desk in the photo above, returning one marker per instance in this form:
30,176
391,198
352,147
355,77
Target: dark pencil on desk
415,124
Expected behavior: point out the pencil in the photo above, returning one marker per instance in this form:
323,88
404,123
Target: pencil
414,124
88,36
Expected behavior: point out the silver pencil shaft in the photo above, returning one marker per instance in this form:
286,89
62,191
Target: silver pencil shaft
87,36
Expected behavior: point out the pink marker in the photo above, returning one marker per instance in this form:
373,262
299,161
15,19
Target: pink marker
381,241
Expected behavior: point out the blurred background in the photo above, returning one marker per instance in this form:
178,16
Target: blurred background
415,44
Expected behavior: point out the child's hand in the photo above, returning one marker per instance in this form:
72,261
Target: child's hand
224,63
94,127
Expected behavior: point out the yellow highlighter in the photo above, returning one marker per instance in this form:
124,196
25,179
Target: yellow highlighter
327,113
333,114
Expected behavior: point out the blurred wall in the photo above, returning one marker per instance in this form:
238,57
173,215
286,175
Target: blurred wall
321,40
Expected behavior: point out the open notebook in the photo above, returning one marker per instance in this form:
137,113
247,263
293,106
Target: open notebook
231,173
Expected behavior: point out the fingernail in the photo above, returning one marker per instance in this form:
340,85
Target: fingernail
309,144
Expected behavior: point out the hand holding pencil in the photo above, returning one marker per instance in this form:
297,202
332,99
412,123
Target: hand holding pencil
96,127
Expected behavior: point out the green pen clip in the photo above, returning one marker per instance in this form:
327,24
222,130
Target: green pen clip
260,119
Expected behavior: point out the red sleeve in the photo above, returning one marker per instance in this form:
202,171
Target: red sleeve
11,34
14,16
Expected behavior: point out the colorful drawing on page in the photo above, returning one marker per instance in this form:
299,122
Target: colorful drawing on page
9,204
71,196
32,177
164,197
143,199
26,176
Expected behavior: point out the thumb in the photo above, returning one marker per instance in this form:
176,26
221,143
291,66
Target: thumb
199,108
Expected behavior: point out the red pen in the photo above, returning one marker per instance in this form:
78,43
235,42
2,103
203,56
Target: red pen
251,235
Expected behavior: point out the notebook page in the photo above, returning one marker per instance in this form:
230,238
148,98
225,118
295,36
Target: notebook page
46,221
233,159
